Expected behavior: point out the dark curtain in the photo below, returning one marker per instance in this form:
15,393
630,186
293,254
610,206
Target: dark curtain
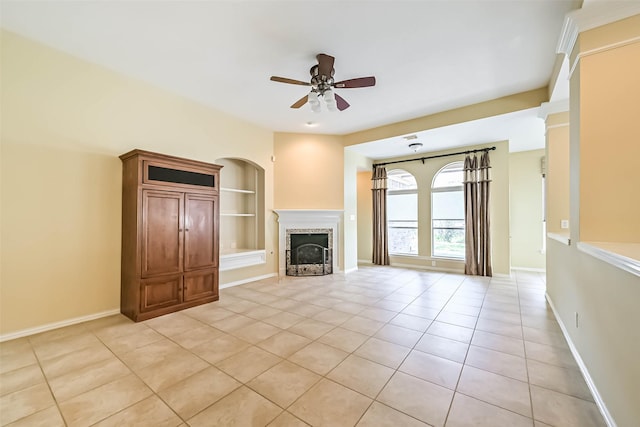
477,179
379,192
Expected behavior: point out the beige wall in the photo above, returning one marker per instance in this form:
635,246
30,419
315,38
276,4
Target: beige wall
309,171
64,123
353,162
365,217
603,119
609,184
557,179
507,104
525,182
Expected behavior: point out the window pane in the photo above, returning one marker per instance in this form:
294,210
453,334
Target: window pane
402,207
448,205
399,179
450,176
403,240
448,243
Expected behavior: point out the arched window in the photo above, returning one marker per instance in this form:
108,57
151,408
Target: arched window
402,213
447,212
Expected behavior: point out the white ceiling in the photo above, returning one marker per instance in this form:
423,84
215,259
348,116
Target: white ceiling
427,56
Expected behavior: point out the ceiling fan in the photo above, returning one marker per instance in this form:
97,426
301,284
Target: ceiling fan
322,85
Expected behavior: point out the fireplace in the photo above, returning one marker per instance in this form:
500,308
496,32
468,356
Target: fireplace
309,252
309,224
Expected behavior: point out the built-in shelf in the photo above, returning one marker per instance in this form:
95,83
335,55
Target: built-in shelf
560,237
242,222
625,256
239,258
237,190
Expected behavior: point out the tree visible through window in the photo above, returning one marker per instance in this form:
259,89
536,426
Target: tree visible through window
447,212
402,213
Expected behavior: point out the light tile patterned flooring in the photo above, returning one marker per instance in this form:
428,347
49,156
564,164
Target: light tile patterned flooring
378,347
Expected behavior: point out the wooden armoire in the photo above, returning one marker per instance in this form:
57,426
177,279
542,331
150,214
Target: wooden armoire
170,235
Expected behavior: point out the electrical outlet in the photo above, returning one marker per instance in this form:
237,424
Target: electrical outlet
433,263
564,224
577,323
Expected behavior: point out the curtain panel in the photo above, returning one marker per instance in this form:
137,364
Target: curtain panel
477,179
379,192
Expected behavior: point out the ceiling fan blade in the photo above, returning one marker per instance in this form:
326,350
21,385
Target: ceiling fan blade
325,64
359,82
290,81
341,103
300,102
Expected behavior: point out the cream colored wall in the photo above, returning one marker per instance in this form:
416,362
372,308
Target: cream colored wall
557,179
64,123
365,217
607,339
309,171
605,297
525,182
499,209
352,163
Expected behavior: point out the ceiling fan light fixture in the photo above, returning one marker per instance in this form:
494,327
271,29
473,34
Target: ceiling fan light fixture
314,102
330,100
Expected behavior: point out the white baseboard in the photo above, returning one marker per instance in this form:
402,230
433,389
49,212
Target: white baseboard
533,270
250,279
583,368
351,270
365,262
56,325
428,267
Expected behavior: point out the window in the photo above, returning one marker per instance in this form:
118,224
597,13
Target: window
447,212
402,213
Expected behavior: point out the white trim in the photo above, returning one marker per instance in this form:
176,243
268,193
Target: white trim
534,270
428,267
602,49
242,259
250,279
592,15
554,107
569,33
365,262
560,125
611,253
565,240
583,368
351,270
56,325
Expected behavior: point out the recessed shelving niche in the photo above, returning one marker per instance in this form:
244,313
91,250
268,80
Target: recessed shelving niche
241,214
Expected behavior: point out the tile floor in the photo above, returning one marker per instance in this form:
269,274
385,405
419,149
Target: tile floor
378,347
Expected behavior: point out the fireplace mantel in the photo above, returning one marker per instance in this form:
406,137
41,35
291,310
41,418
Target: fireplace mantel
307,218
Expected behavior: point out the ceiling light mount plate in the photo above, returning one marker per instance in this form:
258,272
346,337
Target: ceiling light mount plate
415,146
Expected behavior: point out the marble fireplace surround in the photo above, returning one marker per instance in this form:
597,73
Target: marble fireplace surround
306,219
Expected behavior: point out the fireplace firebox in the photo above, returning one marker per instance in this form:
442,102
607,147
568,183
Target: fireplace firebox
309,253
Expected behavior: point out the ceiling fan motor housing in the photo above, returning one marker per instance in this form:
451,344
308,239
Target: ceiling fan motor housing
321,83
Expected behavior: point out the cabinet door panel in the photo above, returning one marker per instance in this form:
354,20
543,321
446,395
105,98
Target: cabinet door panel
162,225
200,245
161,292
200,284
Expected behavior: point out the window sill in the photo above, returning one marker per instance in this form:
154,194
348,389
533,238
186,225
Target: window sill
560,237
625,256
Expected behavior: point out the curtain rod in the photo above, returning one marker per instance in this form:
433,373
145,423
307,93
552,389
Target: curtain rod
437,156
